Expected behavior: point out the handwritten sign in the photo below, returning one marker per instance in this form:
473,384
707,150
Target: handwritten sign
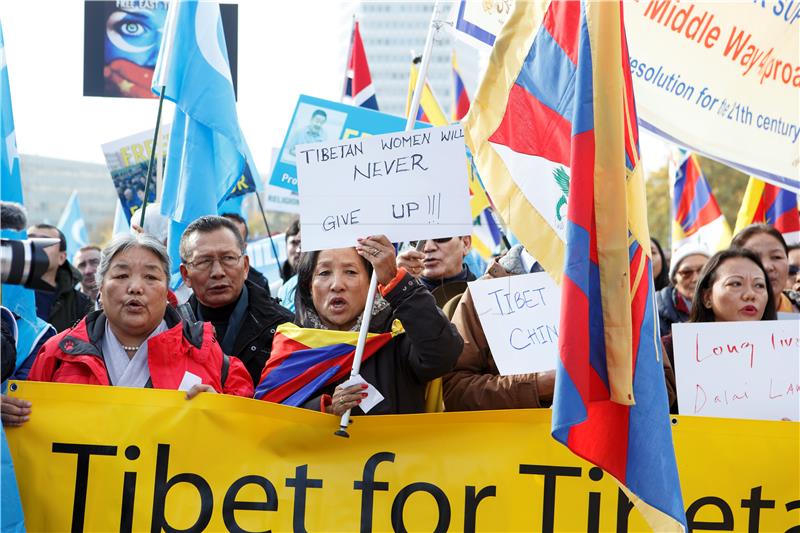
519,315
317,120
407,185
738,369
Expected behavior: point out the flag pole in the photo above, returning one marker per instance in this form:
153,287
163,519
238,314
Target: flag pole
152,154
269,232
436,23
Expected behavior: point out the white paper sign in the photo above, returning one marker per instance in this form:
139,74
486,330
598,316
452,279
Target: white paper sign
520,316
407,186
374,397
738,369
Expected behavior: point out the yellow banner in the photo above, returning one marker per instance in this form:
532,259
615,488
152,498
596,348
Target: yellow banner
116,459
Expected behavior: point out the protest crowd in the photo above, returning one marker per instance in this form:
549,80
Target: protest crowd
156,308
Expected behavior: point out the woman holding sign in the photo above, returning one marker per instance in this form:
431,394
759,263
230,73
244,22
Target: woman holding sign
410,343
733,286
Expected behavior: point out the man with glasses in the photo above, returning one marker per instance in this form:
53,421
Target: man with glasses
214,266
437,262
675,300
86,260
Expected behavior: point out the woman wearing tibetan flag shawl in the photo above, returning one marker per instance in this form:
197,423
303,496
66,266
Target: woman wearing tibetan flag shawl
410,343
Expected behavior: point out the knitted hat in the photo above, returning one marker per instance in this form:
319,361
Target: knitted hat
682,253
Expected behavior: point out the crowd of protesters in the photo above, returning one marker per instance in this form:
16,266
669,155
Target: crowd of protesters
118,323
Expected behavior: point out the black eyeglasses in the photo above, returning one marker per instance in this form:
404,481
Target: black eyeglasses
794,270
441,240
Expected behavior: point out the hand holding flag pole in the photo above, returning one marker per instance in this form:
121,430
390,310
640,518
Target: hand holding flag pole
436,23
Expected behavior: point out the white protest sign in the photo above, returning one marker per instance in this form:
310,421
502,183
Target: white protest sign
519,315
407,186
738,369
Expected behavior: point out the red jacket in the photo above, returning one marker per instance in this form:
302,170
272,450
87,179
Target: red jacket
74,356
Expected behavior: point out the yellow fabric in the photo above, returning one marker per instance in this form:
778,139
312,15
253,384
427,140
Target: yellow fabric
434,396
427,101
317,338
220,439
750,201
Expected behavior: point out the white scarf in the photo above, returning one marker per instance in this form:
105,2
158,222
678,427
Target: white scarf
124,371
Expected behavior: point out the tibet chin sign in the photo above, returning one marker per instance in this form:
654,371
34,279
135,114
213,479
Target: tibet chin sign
722,79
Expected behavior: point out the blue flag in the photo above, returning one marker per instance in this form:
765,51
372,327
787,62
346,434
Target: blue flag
11,191
72,226
121,225
208,154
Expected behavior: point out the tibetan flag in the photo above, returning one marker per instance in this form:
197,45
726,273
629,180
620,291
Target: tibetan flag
764,202
429,109
306,360
460,97
696,217
555,117
358,88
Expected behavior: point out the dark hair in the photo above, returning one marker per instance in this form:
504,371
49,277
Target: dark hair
754,229
62,244
208,224
791,247
319,112
701,313
236,217
293,229
662,280
305,274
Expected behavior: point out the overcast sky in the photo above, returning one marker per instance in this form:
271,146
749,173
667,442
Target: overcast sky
285,49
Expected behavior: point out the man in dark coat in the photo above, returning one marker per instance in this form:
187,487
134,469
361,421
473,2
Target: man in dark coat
214,266
65,305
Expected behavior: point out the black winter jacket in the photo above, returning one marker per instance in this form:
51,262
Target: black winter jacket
402,368
668,314
253,345
70,304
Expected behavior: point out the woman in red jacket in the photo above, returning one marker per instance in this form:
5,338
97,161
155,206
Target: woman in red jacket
136,340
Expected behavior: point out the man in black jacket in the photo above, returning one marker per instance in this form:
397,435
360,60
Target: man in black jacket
214,266
66,305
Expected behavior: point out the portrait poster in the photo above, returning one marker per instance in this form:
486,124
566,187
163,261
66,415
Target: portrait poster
121,41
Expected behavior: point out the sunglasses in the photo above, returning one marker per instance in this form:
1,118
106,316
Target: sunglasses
794,270
437,241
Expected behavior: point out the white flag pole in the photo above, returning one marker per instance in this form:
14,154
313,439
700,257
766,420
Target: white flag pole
436,23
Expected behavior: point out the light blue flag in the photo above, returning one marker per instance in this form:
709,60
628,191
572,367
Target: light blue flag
73,226
11,190
207,152
121,226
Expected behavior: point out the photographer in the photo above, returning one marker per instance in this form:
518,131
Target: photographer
67,305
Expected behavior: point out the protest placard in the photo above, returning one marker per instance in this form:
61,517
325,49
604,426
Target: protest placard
519,315
738,369
127,160
121,42
318,120
407,186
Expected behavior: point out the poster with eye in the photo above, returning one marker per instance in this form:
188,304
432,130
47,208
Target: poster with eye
121,42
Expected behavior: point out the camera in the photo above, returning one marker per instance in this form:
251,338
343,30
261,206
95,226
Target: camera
23,262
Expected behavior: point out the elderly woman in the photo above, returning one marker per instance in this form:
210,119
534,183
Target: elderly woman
136,340
675,300
733,286
770,246
332,290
